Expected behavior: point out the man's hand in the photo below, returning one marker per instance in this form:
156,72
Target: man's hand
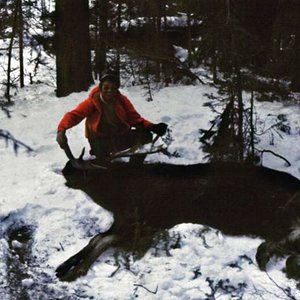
160,128
61,139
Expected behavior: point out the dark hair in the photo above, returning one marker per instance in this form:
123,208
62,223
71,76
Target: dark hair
111,78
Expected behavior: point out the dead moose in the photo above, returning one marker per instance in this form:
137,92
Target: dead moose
238,199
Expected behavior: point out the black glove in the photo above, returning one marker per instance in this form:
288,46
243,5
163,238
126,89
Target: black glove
160,128
61,139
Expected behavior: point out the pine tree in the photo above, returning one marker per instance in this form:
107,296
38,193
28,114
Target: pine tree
72,44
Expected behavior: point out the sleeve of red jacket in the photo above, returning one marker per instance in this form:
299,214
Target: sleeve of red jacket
134,117
76,115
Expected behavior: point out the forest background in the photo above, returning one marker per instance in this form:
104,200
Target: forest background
245,46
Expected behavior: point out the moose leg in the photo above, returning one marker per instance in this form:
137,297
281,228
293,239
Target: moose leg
79,264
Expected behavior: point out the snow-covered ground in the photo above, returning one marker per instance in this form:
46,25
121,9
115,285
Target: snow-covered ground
33,194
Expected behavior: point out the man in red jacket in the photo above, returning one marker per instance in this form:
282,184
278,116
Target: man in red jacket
110,119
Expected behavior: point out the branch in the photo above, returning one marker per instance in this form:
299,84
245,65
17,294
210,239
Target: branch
152,292
5,109
114,272
172,60
271,127
6,49
16,143
187,70
270,151
285,291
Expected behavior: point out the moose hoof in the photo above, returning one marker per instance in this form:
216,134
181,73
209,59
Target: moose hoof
70,270
73,274
293,267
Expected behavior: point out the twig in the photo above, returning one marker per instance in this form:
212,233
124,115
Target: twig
114,272
257,292
281,288
152,292
268,129
61,246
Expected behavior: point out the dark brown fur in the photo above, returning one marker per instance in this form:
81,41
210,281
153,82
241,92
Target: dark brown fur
236,198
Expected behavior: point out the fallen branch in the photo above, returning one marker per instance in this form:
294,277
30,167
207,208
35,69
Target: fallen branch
152,292
114,272
275,154
285,291
5,110
16,143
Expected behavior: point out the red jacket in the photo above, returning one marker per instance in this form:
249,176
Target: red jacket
90,109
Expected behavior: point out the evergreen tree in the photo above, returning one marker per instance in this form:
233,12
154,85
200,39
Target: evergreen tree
72,45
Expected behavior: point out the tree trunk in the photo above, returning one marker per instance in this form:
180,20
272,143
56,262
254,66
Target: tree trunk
119,19
101,47
296,70
237,82
10,47
73,58
252,129
165,65
158,40
189,33
214,39
21,42
96,37
238,87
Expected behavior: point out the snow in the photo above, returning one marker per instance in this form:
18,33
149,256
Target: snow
62,220
171,21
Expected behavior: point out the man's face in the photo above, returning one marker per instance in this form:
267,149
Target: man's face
108,91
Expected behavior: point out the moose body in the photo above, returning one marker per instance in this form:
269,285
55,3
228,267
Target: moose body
236,198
